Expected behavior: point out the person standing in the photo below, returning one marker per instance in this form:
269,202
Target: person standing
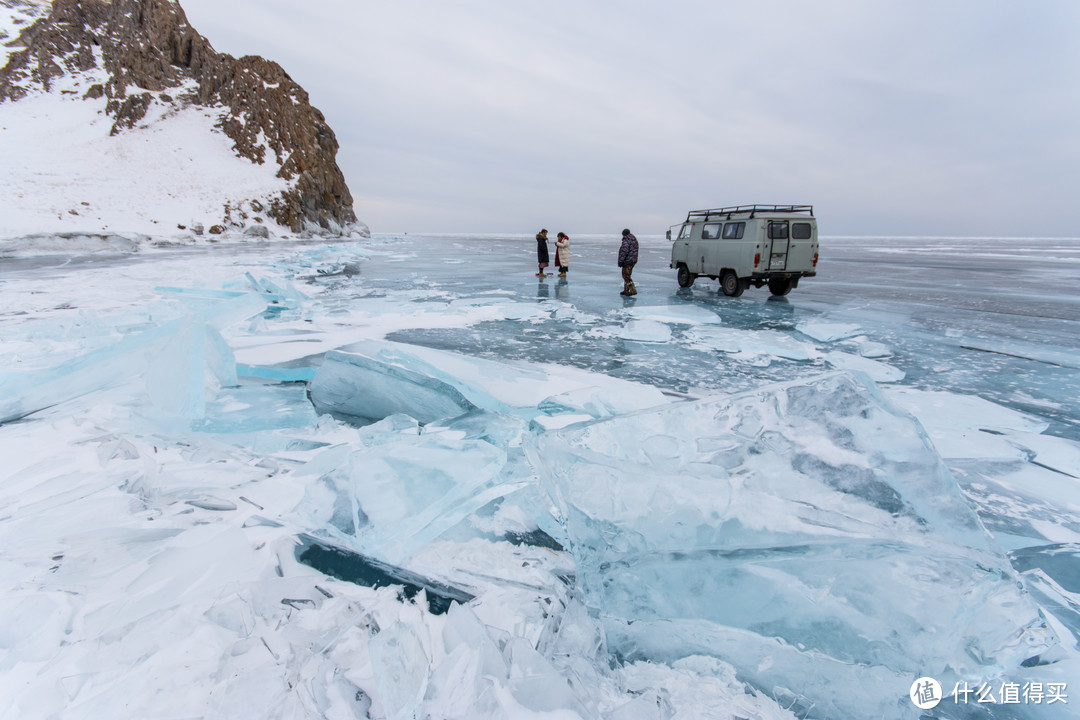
562,253
628,255
542,257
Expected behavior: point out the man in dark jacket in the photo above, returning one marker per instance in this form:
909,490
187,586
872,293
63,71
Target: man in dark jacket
542,257
627,259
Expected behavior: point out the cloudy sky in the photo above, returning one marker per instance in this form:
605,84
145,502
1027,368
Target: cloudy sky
891,117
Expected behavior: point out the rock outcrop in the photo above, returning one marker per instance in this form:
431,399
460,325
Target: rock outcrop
150,54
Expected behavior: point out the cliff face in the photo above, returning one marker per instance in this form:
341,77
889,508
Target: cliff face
150,54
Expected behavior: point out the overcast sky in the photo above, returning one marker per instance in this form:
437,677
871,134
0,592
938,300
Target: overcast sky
898,117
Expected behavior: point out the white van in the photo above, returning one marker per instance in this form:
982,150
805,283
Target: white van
744,245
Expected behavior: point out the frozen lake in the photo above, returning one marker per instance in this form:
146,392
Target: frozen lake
150,528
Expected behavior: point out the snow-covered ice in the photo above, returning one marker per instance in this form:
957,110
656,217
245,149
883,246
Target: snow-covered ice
366,480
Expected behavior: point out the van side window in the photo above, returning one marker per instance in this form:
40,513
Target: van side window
684,234
710,231
800,231
734,230
778,231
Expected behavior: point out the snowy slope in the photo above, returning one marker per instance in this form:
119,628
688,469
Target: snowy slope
65,173
16,15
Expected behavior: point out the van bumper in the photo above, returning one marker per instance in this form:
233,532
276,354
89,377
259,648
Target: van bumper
783,275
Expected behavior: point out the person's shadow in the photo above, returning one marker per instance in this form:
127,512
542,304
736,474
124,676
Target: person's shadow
542,289
562,289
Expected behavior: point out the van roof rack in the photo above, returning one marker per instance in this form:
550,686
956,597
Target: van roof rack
751,210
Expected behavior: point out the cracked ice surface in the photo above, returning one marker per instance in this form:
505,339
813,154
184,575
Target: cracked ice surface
705,528
169,467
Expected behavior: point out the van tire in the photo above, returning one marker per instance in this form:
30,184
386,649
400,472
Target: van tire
684,276
730,285
780,286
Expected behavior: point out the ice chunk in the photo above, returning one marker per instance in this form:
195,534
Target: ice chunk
194,364
401,670
878,371
935,408
967,426
828,331
560,420
368,388
403,490
677,314
1058,454
535,683
182,362
806,533
1043,352
357,568
379,378
280,374
651,331
869,349
600,402
751,344
254,408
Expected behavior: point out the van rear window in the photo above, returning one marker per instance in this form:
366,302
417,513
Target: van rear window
734,230
800,231
710,231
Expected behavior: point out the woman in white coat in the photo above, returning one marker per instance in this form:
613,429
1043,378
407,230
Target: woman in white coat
562,253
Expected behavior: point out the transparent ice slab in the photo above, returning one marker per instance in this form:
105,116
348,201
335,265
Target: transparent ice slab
182,362
376,379
396,488
806,532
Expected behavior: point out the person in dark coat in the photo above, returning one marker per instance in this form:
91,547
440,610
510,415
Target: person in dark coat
542,257
628,253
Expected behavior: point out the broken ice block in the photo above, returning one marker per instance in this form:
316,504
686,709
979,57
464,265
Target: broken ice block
807,533
375,379
359,386
357,568
182,363
401,490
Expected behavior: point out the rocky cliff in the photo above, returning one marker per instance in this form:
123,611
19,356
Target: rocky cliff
144,53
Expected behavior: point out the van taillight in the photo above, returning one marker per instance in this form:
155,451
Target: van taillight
815,260
757,259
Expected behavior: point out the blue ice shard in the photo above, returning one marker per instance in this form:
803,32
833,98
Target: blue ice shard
182,362
372,388
374,379
807,533
396,489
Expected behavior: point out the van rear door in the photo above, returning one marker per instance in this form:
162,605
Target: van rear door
779,239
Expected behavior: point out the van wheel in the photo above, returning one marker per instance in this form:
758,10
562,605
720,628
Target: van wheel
729,283
684,276
780,286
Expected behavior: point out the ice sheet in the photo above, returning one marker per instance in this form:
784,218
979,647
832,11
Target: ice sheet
150,566
770,529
